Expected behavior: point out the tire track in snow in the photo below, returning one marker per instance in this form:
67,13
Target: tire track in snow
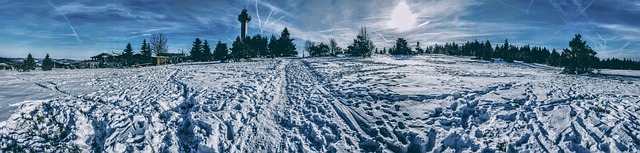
314,123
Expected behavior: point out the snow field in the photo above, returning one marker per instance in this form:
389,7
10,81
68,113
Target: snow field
389,104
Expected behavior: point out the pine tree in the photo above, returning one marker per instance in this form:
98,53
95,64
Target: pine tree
273,47
249,47
247,50
221,52
322,49
487,51
259,46
580,58
362,45
29,63
47,63
554,58
263,47
401,47
286,44
238,50
507,51
127,54
145,50
196,50
206,52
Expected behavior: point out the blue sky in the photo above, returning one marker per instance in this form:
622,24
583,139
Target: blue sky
78,29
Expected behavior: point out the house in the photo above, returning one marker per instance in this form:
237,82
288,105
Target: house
105,57
105,60
89,64
170,58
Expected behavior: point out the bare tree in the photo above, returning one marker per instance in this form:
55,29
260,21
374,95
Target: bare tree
308,46
159,43
333,47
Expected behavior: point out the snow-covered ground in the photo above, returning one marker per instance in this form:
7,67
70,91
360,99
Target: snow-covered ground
390,104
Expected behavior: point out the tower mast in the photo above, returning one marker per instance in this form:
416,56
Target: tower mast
244,19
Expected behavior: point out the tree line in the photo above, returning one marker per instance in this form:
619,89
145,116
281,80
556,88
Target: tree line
579,58
29,64
257,46
362,46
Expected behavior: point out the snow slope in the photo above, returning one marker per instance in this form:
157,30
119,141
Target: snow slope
389,104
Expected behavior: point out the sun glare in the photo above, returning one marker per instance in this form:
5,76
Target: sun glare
402,18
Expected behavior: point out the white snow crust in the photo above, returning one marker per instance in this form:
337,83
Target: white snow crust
428,103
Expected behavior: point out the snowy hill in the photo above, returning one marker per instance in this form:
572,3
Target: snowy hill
17,60
404,104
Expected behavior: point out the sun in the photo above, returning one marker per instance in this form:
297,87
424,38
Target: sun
402,18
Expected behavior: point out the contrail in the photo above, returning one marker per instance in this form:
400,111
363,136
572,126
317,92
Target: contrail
268,17
512,6
280,18
68,22
530,6
423,24
374,31
258,15
585,9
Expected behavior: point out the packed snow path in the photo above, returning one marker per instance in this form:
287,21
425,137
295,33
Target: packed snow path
414,104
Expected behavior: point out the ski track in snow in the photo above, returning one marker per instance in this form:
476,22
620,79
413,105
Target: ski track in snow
388,104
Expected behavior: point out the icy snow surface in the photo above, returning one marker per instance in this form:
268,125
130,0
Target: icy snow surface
389,104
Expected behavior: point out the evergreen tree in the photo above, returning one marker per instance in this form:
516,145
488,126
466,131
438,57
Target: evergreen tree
506,51
259,46
196,50
127,54
487,51
146,51
29,63
247,52
362,45
249,47
580,58
47,63
319,50
286,44
554,58
401,47
273,47
418,49
206,52
221,52
238,50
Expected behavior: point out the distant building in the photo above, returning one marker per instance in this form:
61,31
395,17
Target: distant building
104,60
89,64
114,60
170,58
